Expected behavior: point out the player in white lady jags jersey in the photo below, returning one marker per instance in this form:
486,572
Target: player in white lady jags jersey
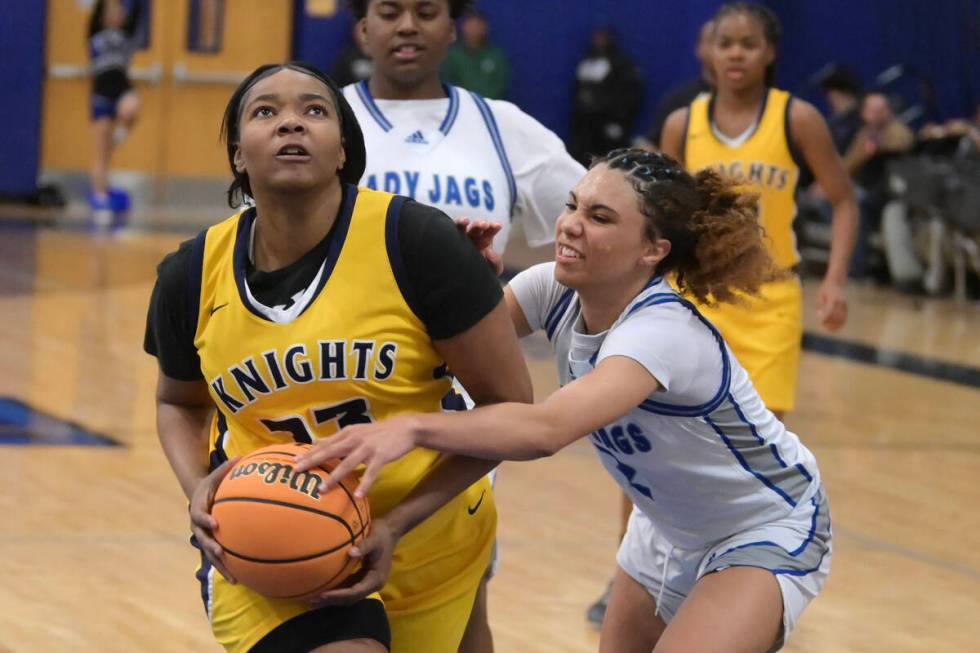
730,536
446,146
451,148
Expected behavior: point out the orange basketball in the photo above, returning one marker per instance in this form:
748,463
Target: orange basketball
281,536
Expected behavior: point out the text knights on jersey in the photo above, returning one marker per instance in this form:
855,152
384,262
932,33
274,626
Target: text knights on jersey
755,172
331,360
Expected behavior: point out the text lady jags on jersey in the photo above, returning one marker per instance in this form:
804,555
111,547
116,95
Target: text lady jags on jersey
442,189
330,360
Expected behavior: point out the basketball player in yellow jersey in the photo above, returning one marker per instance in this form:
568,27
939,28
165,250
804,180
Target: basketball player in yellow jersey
760,135
325,305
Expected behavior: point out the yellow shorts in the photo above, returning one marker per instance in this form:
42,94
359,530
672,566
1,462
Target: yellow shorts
437,570
766,335
429,596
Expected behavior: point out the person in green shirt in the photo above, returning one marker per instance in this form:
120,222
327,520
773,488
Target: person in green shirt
476,63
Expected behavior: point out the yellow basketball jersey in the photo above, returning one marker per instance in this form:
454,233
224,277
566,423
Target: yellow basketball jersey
764,162
357,353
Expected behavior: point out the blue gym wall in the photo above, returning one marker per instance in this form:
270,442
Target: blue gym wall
545,39
21,76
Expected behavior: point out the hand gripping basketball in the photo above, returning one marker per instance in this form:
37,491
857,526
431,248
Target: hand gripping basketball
281,535
203,524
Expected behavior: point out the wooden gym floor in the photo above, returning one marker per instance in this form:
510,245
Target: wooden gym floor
93,540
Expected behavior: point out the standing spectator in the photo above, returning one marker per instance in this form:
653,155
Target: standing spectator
477,64
843,92
351,65
881,137
607,98
115,105
682,95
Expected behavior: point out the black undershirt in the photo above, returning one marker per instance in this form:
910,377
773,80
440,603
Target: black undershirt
451,287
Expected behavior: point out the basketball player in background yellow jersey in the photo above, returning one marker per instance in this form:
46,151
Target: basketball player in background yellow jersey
760,135
325,305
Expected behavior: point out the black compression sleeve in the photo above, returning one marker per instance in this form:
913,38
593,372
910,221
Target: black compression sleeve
451,286
169,325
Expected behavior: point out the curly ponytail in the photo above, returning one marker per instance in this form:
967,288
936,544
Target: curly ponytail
730,255
717,247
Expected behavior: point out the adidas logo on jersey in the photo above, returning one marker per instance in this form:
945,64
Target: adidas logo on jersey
417,138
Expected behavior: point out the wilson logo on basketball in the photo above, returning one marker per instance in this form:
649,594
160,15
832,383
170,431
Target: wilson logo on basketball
306,483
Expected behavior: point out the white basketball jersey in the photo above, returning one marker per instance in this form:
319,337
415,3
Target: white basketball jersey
467,156
702,457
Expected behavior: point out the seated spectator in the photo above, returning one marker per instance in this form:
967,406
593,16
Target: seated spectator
923,269
682,95
476,63
882,136
963,134
608,89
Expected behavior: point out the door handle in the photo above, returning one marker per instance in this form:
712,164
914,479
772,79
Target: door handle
182,75
67,71
152,74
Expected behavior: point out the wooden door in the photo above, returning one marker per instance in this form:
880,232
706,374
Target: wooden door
66,132
199,84
183,91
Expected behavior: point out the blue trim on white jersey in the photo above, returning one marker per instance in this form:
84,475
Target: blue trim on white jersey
772,447
653,300
365,94
755,432
453,111
745,465
801,572
498,143
674,410
654,280
794,553
556,313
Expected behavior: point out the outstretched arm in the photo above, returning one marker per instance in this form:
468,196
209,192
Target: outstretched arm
509,431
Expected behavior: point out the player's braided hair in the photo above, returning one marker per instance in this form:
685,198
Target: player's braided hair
772,30
456,7
717,247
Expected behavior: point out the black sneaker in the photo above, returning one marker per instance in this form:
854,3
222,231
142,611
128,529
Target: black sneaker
597,611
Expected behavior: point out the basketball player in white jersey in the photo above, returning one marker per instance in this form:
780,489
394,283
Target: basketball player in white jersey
730,536
451,148
446,146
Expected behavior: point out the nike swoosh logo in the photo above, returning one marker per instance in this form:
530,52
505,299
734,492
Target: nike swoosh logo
472,509
218,307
